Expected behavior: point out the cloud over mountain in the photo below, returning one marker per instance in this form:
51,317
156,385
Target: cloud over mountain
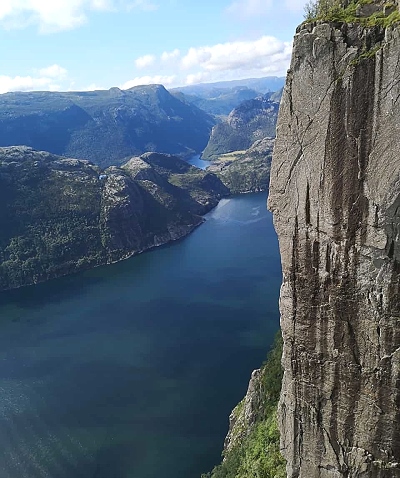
50,78
253,58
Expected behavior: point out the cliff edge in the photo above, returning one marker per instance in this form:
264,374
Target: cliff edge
335,196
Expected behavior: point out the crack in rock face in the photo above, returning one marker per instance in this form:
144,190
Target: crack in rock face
335,196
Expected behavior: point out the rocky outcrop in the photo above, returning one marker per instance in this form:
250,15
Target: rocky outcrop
251,447
245,414
335,196
61,215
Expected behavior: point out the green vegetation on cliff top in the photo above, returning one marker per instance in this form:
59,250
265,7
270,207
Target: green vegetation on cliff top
365,12
257,454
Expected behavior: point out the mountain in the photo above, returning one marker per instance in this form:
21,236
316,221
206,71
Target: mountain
221,98
218,101
62,215
104,127
245,171
208,90
335,197
252,120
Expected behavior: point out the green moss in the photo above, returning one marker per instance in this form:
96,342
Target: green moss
365,55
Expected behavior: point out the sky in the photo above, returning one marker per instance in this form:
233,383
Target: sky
67,45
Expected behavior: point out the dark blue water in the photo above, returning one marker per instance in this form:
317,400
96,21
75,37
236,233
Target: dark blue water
198,162
131,370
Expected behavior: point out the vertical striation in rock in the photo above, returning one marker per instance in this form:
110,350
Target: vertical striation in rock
335,195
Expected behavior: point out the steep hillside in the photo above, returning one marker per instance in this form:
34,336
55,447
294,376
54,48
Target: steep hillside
251,447
246,171
62,215
335,196
251,121
104,126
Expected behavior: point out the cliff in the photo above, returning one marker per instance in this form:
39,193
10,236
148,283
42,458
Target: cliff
61,215
335,196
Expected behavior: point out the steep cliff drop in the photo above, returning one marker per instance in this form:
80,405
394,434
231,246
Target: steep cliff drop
335,195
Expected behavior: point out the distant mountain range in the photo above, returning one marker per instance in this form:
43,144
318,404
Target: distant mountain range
207,90
252,120
105,127
222,97
109,126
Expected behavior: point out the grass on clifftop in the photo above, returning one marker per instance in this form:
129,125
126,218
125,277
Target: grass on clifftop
333,11
258,454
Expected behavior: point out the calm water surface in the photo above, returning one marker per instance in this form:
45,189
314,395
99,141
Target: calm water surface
131,370
198,162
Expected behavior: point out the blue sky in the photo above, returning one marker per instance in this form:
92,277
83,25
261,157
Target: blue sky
97,44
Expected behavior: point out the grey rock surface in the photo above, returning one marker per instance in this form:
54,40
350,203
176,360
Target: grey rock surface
335,196
245,414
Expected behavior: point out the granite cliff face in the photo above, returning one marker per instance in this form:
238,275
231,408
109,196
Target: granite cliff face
335,195
61,215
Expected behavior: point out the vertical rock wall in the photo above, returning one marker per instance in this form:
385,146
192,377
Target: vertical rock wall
335,195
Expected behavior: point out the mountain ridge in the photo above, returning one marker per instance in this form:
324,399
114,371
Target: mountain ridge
63,215
104,126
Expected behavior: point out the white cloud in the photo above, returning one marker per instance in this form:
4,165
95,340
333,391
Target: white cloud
57,15
53,71
26,83
225,61
250,8
145,61
241,55
167,80
45,79
195,78
170,56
